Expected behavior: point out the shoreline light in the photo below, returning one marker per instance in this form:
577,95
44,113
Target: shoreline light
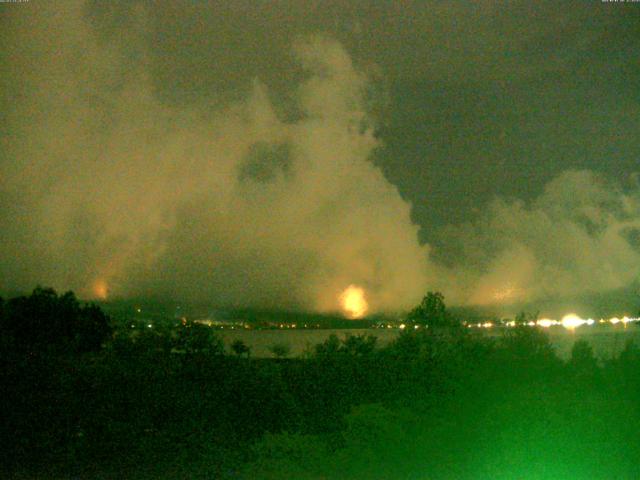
546,322
572,321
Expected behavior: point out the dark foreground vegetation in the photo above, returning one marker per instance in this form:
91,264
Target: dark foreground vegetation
81,400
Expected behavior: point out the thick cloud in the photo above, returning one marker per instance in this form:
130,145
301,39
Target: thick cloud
107,185
127,165
580,236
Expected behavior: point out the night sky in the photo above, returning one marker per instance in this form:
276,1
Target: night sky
270,154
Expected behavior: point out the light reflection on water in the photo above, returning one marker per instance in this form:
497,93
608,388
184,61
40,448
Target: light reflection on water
606,341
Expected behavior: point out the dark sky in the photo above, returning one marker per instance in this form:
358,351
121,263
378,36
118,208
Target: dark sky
488,118
472,101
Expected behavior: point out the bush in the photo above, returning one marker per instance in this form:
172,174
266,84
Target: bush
529,345
195,338
280,350
240,348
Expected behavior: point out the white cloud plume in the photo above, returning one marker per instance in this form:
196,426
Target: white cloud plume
577,237
238,204
236,207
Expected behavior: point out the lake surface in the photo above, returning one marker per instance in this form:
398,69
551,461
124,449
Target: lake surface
607,341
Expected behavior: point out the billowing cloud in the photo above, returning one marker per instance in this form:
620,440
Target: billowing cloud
127,168
107,185
579,236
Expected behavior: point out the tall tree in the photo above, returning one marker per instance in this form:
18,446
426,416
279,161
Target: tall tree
45,320
431,311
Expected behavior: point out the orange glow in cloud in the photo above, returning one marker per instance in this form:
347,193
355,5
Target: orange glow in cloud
100,290
353,302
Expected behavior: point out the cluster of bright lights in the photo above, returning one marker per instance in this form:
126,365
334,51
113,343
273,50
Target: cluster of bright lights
570,321
484,325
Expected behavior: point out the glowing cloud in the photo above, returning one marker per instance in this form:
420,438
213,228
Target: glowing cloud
576,237
100,290
353,302
230,202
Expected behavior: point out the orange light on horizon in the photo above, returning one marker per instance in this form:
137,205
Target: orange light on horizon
353,302
100,290
546,322
572,321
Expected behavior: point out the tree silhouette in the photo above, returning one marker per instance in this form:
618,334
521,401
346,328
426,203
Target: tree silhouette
92,328
197,338
240,348
582,359
431,311
523,318
280,350
528,345
329,347
359,345
44,321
